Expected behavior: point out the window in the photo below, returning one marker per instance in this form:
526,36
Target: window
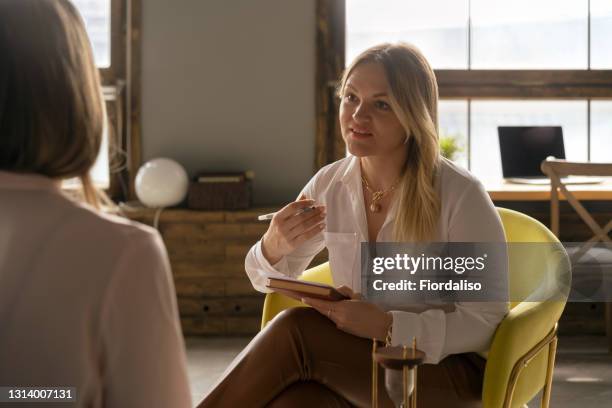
601,131
601,32
97,16
495,63
488,34
552,34
110,24
453,123
443,37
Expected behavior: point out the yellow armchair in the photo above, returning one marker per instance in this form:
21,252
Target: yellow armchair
522,355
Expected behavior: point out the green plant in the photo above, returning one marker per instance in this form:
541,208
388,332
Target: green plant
449,146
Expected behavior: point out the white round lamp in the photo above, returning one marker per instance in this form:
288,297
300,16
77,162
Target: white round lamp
161,182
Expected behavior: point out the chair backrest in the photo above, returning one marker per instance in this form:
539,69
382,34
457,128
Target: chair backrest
535,256
556,169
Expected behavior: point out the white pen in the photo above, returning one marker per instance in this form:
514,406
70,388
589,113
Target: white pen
266,217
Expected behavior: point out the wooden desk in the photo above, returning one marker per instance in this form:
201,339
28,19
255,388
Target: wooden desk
501,191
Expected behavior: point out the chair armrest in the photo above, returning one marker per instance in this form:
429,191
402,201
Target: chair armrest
522,329
275,302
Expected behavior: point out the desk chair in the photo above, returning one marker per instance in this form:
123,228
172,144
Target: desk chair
585,259
521,359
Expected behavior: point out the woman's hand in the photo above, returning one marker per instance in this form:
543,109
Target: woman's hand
354,316
289,229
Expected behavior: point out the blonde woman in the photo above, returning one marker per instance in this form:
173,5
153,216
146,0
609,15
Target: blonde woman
393,187
86,299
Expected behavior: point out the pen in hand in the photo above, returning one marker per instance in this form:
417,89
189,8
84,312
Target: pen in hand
267,217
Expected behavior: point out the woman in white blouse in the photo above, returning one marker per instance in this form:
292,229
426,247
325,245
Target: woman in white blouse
393,187
86,299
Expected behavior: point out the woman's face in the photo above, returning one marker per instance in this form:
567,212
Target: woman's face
368,124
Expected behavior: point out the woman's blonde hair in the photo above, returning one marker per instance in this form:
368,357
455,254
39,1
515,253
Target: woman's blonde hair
51,108
414,99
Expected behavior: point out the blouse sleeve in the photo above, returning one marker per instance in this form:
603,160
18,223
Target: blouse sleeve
144,353
258,268
470,327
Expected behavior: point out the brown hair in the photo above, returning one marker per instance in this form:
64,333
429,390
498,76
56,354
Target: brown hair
414,99
51,107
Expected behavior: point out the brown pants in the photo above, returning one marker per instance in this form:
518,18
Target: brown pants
302,360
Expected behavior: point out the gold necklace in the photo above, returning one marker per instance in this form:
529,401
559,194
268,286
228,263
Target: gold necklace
377,195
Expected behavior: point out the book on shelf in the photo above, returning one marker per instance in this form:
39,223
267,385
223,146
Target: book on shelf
306,289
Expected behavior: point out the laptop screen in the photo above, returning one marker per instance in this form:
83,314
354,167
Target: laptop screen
523,148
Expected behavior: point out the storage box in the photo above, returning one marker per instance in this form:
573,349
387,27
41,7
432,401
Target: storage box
220,195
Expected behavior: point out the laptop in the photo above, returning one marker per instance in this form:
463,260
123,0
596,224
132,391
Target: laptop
523,148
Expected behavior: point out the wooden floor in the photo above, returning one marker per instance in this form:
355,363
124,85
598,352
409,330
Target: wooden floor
583,374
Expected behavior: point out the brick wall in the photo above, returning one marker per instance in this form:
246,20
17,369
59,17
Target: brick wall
207,251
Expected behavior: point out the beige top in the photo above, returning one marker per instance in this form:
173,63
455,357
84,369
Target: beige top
86,301
467,215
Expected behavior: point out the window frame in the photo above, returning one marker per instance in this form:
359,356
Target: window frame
121,90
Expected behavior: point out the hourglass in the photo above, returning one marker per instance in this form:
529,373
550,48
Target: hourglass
397,358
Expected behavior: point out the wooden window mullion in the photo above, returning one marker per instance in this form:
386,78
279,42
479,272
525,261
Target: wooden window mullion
330,15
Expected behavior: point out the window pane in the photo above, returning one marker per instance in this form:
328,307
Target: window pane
527,34
96,14
601,33
452,122
100,172
442,37
601,131
488,115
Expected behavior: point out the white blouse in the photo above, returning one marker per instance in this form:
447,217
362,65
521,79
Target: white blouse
86,301
467,215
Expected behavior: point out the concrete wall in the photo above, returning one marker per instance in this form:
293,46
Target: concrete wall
229,85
